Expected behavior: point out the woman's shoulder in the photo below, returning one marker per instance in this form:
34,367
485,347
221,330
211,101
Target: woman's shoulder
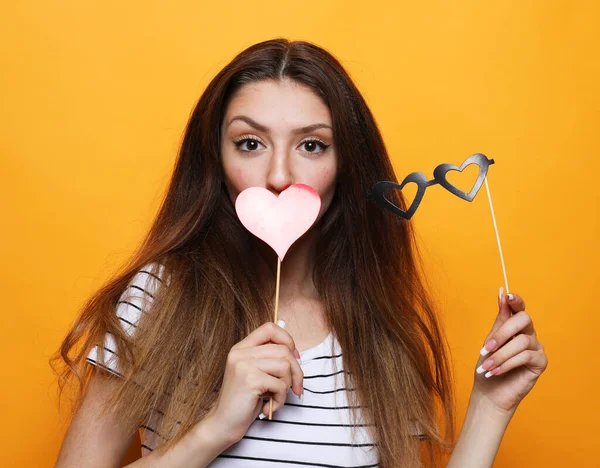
149,272
149,278
133,304
139,294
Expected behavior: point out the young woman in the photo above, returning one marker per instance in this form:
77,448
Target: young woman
358,369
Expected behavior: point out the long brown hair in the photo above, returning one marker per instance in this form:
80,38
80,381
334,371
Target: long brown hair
368,273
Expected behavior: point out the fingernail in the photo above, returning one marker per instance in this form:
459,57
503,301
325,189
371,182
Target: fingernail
489,346
500,295
298,358
281,323
262,416
485,366
511,297
302,396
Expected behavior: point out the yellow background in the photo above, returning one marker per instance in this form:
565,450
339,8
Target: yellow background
95,96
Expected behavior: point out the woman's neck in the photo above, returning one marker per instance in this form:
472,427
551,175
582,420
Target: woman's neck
296,269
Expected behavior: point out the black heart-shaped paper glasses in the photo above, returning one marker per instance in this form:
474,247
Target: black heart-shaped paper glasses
439,177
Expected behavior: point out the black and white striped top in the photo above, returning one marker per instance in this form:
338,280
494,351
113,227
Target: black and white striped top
314,432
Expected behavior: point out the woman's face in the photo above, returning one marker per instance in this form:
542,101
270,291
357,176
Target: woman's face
275,135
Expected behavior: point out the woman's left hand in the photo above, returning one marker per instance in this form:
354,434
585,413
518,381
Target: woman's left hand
511,367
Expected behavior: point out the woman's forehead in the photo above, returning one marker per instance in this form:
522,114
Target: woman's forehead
267,105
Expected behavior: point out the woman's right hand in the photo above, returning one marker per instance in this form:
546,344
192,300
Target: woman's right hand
262,364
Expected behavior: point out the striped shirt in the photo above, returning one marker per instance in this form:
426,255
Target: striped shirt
314,432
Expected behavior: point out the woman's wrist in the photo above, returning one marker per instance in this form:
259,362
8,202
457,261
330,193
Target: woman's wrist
211,433
197,448
482,404
480,436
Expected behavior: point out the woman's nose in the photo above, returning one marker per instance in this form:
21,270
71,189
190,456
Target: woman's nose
279,177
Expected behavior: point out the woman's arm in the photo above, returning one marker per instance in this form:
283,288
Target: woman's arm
480,436
196,449
92,441
516,362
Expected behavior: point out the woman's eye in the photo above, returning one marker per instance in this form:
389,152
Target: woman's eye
252,145
311,145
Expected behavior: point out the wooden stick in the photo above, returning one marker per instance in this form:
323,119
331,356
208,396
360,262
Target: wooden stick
275,320
497,235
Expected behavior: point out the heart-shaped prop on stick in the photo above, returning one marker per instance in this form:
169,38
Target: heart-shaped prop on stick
279,221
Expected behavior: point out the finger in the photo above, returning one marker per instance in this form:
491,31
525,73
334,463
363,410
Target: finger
280,368
519,323
504,313
519,343
277,388
515,302
278,351
534,359
267,332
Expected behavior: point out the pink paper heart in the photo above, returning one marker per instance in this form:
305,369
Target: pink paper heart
279,221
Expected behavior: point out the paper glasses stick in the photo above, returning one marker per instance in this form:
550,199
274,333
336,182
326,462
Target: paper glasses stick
439,177
278,221
497,235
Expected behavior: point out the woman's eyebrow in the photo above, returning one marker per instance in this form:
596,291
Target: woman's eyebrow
262,128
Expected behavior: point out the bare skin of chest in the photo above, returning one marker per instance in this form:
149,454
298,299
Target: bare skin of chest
304,321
